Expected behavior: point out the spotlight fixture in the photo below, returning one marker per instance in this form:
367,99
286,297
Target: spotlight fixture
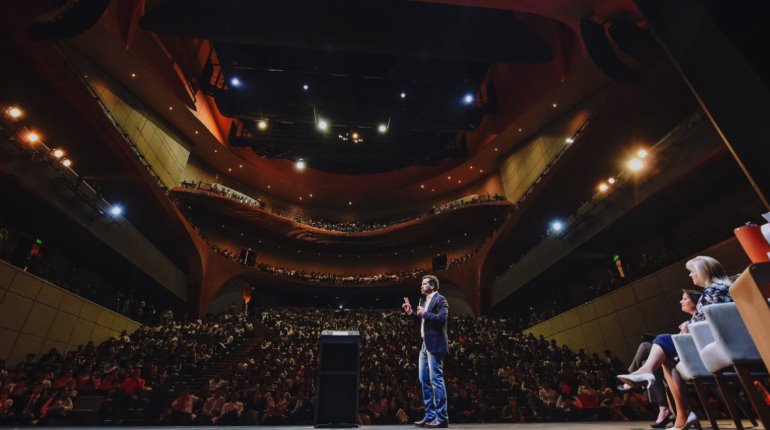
66,162
382,128
635,164
350,203
234,81
468,99
262,124
403,95
305,87
603,187
58,153
611,180
322,124
641,153
32,137
355,136
300,165
569,140
14,112
116,210
557,226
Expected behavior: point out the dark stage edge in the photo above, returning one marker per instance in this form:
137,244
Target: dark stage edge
604,425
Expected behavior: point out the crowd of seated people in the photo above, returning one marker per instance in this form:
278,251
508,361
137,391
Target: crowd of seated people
341,226
131,371
494,374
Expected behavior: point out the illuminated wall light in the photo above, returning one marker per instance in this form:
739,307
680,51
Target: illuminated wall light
32,137
58,153
635,164
603,187
14,112
66,162
641,153
322,124
116,210
300,165
382,128
262,124
611,181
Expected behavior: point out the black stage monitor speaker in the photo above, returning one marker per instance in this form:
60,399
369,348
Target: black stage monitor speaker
338,379
439,262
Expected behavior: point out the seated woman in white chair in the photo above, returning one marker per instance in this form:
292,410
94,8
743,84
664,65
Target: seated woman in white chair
707,273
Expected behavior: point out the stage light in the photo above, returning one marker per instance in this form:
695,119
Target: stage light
262,124
641,153
234,81
58,153
382,128
14,112
355,136
557,226
554,105
133,75
603,187
403,95
468,99
66,162
322,124
32,137
305,87
350,203
422,187
611,181
116,210
569,140
635,164
300,165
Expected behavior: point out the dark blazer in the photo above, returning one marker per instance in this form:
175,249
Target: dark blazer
436,339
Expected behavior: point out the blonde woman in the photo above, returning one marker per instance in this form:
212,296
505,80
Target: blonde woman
707,273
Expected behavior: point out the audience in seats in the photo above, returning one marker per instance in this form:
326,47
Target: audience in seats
133,372
707,273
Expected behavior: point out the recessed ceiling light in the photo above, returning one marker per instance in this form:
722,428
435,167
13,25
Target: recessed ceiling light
14,112
459,181
350,203
496,149
262,124
520,130
310,195
300,197
196,132
300,165
481,171
433,190
229,169
240,166
449,178
554,105
422,186
171,108
268,187
216,150
133,75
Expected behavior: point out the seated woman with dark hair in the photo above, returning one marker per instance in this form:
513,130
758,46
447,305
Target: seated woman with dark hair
707,273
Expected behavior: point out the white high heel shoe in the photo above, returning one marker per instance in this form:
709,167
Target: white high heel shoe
692,421
636,379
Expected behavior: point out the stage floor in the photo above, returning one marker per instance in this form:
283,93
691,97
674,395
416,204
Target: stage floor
608,425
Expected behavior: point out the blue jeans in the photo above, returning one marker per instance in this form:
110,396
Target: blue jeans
431,373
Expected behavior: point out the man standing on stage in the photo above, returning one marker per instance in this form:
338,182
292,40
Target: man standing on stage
432,315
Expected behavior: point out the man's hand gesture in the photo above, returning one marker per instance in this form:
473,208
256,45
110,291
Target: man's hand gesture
407,306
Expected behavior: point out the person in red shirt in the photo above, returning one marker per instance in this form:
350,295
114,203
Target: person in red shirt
133,386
